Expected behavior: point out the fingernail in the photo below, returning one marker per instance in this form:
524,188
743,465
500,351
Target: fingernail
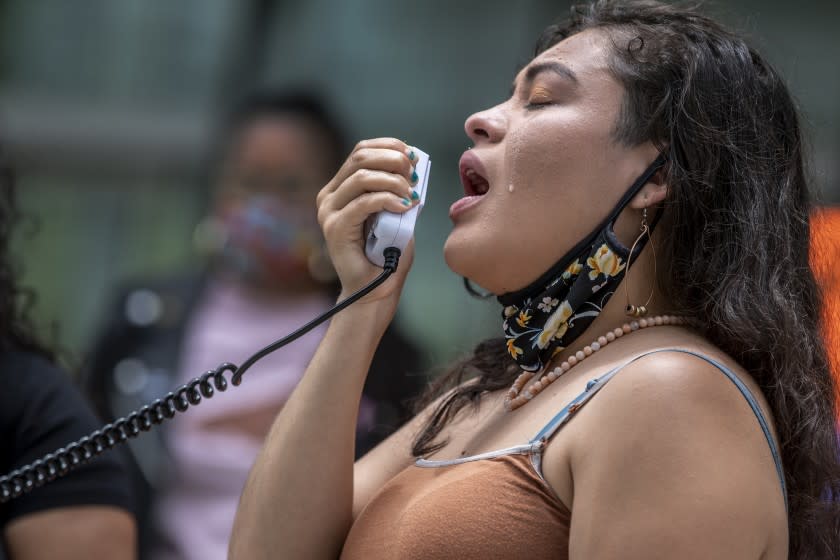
411,155
414,195
414,176
406,202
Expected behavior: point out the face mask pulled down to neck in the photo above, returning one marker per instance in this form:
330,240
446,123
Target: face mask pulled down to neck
542,319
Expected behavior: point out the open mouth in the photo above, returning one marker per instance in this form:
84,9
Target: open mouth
473,176
474,184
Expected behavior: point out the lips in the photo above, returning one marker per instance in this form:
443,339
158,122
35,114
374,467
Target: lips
473,175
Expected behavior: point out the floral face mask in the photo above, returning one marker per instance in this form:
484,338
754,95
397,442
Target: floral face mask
269,240
545,317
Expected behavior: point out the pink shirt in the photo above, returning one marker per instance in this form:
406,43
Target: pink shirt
210,465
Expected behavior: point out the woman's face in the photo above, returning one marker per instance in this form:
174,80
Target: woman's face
265,203
550,166
277,157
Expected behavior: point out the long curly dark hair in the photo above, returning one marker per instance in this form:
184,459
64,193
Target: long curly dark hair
16,329
736,235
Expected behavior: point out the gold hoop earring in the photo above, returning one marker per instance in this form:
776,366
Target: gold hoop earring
639,310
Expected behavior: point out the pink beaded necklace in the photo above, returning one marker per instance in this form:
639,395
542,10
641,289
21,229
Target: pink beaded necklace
516,397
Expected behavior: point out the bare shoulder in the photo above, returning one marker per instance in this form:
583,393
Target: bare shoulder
672,452
686,389
681,399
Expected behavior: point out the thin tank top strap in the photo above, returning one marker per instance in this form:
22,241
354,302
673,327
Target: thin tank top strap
595,385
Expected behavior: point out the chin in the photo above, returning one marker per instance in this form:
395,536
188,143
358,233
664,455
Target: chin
468,259
493,263
452,249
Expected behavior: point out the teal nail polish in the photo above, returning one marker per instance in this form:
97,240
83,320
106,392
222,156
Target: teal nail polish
414,176
414,195
411,155
405,202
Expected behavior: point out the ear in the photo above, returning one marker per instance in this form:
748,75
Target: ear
652,194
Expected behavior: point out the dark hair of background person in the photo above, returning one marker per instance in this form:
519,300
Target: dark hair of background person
299,103
17,332
735,234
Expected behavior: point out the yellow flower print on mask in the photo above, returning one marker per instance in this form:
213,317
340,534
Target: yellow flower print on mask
510,311
524,317
556,326
604,262
513,350
573,270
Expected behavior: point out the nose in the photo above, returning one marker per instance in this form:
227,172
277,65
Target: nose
489,125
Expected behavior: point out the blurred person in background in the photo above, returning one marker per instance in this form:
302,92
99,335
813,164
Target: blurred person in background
268,275
88,513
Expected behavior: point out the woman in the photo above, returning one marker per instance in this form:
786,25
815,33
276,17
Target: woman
88,513
710,435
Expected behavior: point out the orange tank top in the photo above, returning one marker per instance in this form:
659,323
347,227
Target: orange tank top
493,508
493,505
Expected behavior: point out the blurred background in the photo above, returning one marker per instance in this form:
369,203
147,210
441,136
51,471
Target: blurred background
109,110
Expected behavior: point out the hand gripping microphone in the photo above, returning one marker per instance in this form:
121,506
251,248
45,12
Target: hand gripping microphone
385,230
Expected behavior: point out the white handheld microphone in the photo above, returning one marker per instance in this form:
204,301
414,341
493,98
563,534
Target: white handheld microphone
389,229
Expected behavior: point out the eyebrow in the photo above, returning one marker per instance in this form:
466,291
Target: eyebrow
549,66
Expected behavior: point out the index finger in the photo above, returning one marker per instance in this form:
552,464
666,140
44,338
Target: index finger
387,143
349,165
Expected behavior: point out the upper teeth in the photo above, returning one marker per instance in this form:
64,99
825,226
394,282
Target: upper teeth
479,183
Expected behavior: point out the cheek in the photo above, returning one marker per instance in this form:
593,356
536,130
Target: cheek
555,153
561,169
534,155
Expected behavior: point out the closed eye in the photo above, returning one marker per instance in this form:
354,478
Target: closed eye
539,97
533,106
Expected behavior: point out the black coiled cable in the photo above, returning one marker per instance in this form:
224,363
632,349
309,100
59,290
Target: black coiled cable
63,460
